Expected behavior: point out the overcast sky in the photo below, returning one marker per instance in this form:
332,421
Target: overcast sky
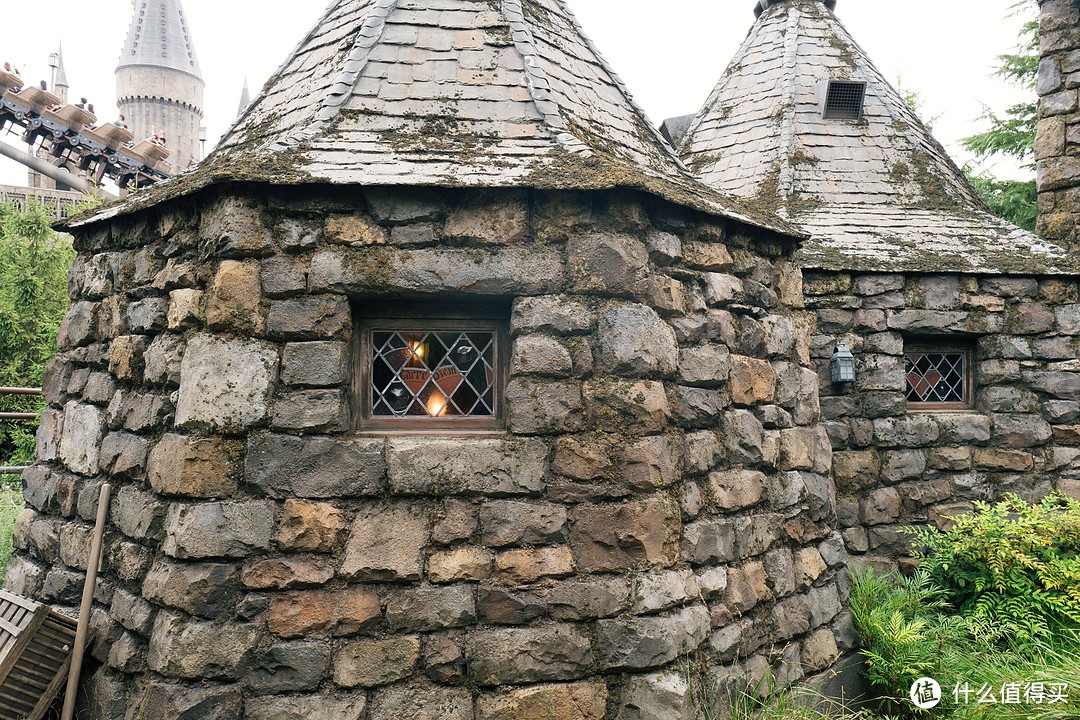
669,53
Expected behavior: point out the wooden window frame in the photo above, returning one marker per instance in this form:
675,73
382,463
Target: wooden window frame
397,316
929,346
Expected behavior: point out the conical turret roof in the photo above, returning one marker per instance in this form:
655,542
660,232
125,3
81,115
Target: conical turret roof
454,93
159,36
876,192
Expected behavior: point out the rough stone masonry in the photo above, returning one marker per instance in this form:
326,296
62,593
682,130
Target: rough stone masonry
661,492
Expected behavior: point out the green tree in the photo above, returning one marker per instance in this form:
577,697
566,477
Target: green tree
34,262
1012,134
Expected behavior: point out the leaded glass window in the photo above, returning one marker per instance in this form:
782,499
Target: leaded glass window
938,377
418,370
417,373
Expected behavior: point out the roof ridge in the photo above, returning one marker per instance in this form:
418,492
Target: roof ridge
538,83
622,87
788,141
368,36
721,85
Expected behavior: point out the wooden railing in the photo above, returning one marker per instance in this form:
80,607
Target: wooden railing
16,469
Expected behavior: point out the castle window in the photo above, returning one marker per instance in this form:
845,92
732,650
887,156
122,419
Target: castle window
939,377
844,100
423,372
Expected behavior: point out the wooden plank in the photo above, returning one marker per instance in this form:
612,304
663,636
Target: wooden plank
10,628
19,600
12,656
50,693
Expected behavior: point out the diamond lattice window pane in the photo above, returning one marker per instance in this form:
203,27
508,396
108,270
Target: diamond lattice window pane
444,373
936,377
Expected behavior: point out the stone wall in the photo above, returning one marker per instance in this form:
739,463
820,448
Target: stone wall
896,467
1057,147
661,491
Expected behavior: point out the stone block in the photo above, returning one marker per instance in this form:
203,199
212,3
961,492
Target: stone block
126,357
232,300
486,466
301,613
881,506
163,359
621,405
313,364
634,341
203,589
649,464
79,325
460,564
404,206
708,542
131,611
736,489
80,444
791,617
721,288
542,408
638,643
123,455
421,702
156,699
185,309
520,567
198,467
225,384
754,535
609,264
753,381
704,365
139,515
308,411
282,277
386,543
994,459
430,609
557,314
294,666
663,589
309,526
219,529
315,466
182,648
702,451
1019,431
234,228
371,663
528,655
305,707
574,701
588,598
291,571
617,537
540,355
582,457
457,520
316,317
511,522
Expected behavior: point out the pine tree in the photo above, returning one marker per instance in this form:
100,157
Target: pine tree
1012,135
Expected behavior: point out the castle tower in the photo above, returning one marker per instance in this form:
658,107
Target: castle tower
1057,145
159,86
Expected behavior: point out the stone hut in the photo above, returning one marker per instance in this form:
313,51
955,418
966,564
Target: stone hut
965,329
439,391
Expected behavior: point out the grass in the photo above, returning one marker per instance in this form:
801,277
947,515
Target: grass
11,503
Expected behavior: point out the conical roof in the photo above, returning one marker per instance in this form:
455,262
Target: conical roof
61,80
159,36
245,99
453,93
874,193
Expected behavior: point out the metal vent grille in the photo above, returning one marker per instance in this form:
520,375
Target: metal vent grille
844,100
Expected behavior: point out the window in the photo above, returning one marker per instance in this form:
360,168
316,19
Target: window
419,371
939,378
844,100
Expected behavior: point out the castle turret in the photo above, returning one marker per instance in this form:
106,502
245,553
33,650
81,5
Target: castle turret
159,86
1059,122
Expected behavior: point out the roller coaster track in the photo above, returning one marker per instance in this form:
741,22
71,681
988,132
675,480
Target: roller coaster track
67,133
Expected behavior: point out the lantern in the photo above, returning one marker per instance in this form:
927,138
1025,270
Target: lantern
842,365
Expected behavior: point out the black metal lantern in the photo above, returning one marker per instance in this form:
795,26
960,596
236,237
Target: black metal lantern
842,365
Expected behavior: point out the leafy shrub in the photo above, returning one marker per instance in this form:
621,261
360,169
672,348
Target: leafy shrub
1011,563
34,262
902,634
